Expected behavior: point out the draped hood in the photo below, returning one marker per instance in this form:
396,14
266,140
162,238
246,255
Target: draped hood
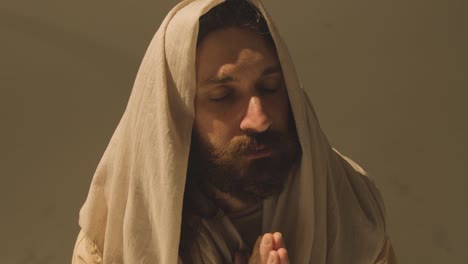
329,211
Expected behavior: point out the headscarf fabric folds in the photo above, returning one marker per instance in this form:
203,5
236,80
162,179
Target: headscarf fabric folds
329,212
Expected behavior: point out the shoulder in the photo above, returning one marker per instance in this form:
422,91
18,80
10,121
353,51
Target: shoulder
371,203
86,251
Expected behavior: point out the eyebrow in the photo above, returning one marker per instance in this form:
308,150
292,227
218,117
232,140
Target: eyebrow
228,79
272,69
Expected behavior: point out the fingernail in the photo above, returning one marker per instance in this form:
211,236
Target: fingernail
278,235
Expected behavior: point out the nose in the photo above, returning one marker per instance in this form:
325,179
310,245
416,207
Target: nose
255,119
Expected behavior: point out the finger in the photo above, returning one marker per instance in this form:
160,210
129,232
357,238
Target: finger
279,242
273,258
256,250
257,242
240,258
283,256
266,246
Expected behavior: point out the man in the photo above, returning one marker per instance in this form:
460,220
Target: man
219,157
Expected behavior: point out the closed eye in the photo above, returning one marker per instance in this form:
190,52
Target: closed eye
265,89
221,98
220,93
271,84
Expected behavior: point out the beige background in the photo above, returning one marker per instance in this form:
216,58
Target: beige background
389,80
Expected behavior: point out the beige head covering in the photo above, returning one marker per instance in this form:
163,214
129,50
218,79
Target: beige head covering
329,212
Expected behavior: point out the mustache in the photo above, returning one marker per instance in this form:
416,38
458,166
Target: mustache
249,143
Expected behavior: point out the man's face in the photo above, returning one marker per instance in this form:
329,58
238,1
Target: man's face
244,136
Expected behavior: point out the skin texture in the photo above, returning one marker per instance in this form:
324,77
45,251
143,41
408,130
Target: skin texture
269,248
240,91
247,99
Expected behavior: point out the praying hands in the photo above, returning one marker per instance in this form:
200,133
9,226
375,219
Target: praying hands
269,248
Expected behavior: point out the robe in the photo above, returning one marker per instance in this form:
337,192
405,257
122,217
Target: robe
330,210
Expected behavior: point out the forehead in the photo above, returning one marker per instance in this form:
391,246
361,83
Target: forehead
233,48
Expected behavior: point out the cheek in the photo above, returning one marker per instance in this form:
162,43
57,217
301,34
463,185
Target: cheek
279,112
215,128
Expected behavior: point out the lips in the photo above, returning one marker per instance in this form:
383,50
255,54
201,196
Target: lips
258,151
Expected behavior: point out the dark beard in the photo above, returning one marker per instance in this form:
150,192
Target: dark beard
227,169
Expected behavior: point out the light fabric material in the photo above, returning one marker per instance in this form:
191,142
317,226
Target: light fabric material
330,212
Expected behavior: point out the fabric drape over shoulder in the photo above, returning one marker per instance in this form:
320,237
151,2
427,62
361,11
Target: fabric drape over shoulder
329,212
